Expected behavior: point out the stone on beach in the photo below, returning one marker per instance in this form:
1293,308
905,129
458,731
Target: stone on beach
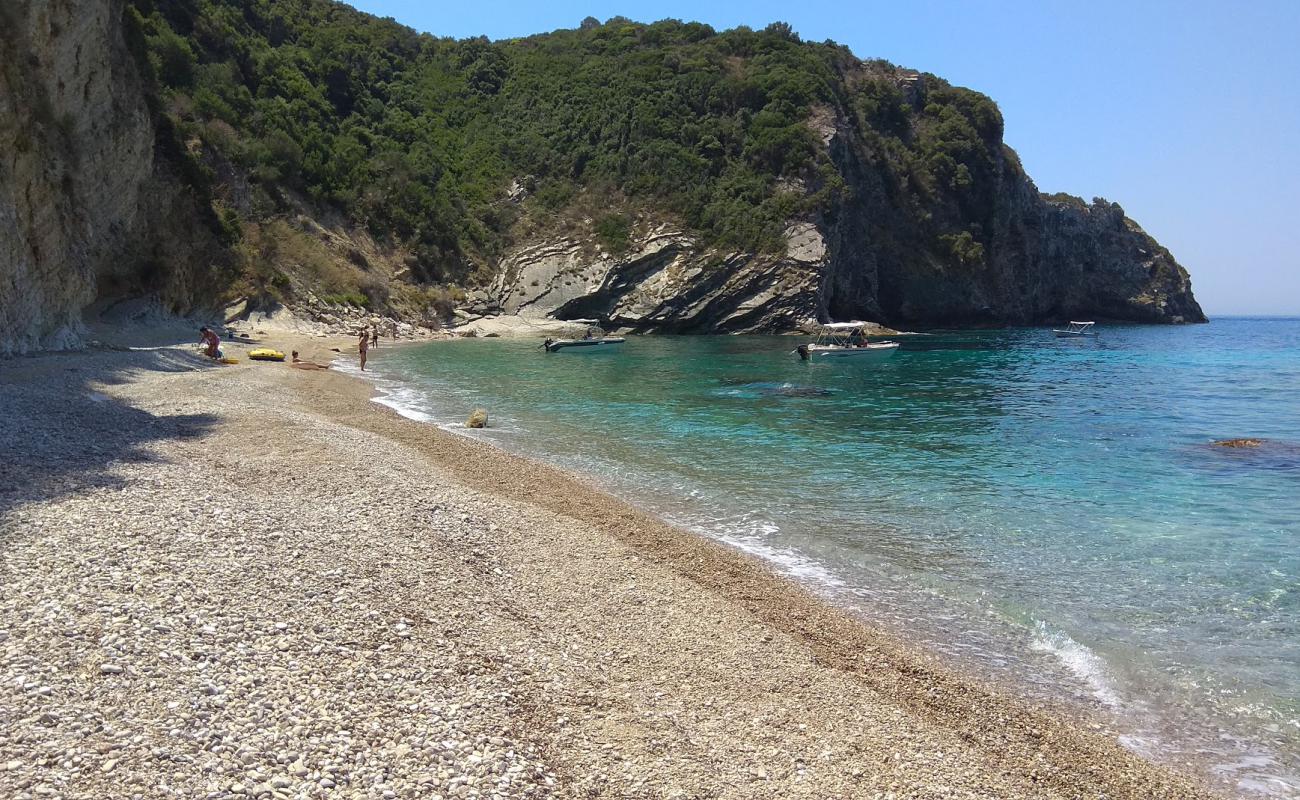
477,419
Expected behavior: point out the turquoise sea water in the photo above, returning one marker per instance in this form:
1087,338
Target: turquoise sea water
1048,512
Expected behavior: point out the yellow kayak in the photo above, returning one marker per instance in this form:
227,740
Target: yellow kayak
265,354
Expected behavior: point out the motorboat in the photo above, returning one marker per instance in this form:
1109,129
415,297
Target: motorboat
845,340
594,340
1075,329
556,345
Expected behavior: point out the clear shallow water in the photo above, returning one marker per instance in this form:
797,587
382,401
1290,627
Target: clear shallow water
1048,511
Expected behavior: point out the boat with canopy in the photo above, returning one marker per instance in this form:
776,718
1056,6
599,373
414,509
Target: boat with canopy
593,340
846,340
1075,329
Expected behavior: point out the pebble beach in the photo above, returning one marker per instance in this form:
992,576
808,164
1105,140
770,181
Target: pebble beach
251,581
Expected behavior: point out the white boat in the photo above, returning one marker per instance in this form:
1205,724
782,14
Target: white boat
555,345
594,340
1075,329
845,340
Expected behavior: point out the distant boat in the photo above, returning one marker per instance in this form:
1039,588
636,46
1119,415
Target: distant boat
595,339
845,340
1075,329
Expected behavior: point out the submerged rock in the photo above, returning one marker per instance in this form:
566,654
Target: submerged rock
477,419
1254,454
798,391
769,389
1238,443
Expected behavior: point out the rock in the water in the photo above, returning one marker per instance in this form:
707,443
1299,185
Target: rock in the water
478,419
1239,443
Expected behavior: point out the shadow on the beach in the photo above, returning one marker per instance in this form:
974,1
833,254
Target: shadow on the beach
60,435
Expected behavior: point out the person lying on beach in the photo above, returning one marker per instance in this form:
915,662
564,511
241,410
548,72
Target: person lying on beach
211,342
299,364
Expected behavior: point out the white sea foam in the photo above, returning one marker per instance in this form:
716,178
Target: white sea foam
412,401
405,400
749,536
1081,661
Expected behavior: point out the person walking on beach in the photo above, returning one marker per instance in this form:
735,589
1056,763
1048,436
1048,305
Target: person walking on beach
363,346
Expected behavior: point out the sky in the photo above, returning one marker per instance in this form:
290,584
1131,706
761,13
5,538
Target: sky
1185,113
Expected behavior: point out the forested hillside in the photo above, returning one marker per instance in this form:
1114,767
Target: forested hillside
422,137
660,176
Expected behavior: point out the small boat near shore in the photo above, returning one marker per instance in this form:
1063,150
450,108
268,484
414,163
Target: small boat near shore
556,345
1075,329
846,340
594,340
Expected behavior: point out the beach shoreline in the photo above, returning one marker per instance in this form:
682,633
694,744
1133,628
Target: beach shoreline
640,660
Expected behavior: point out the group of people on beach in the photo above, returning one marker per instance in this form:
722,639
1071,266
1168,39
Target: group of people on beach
366,339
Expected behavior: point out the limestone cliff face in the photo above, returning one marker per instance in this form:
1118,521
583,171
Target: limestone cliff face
1053,261
1041,260
666,282
85,206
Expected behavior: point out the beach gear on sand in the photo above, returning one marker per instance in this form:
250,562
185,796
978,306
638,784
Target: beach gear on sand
265,354
229,361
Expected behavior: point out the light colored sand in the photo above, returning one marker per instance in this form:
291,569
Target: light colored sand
307,595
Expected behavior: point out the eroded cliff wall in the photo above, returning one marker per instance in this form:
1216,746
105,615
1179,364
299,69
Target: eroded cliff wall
873,256
1043,258
86,207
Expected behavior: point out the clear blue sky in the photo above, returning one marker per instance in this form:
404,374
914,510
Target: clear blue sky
1186,113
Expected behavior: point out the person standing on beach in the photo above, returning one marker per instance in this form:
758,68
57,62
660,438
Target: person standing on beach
374,338
363,346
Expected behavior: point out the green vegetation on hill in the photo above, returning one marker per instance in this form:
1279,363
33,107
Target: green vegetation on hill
420,139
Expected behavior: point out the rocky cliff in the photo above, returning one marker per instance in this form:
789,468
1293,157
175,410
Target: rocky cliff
1042,259
1034,258
88,207
146,150
1055,261
665,283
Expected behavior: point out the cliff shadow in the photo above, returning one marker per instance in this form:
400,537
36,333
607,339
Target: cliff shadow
61,435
